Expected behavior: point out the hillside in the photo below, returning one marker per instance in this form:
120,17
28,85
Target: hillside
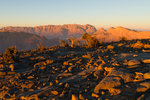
112,71
22,40
115,34
56,31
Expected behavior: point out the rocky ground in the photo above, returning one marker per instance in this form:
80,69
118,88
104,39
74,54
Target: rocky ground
112,71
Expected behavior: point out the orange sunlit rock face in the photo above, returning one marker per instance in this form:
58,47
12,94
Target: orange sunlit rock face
115,34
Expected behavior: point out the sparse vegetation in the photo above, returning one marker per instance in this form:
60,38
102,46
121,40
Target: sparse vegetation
91,41
123,39
10,54
63,43
40,47
72,40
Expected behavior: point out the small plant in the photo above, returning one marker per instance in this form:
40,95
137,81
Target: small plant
71,39
10,54
41,47
63,43
90,41
123,39
78,42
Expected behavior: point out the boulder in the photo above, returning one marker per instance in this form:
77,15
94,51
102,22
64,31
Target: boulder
147,75
133,62
146,60
124,74
107,83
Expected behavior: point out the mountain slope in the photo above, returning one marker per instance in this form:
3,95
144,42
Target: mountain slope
22,40
55,31
115,34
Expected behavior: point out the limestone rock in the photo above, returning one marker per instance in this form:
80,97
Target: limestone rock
146,60
147,75
124,74
11,67
133,62
107,83
74,97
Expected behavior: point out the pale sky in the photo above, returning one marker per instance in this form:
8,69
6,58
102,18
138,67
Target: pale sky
100,13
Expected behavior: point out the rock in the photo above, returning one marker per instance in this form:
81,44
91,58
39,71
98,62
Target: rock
133,62
11,73
146,60
2,73
11,66
98,73
49,61
124,74
110,47
1,65
114,91
147,75
65,74
95,95
54,92
143,87
30,77
139,77
108,69
74,97
81,97
107,83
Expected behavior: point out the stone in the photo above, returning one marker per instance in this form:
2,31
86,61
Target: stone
114,91
124,74
2,73
139,77
98,73
141,89
81,97
133,62
74,97
11,73
30,77
107,83
1,65
11,66
95,95
146,60
147,75
144,86
54,92
49,61
110,47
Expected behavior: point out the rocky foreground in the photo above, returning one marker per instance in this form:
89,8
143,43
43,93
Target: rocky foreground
113,71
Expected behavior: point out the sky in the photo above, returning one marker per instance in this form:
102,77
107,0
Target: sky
133,14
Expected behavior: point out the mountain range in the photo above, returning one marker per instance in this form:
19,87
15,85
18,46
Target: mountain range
49,35
115,34
56,31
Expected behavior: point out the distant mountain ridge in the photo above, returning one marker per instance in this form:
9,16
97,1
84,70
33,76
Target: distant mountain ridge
22,40
56,31
115,34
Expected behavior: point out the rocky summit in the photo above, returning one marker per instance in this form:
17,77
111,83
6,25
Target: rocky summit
111,71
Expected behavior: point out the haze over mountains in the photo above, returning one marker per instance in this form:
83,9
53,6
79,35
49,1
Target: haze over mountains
57,31
22,40
28,37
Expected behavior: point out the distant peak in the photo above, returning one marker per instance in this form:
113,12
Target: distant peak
101,29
